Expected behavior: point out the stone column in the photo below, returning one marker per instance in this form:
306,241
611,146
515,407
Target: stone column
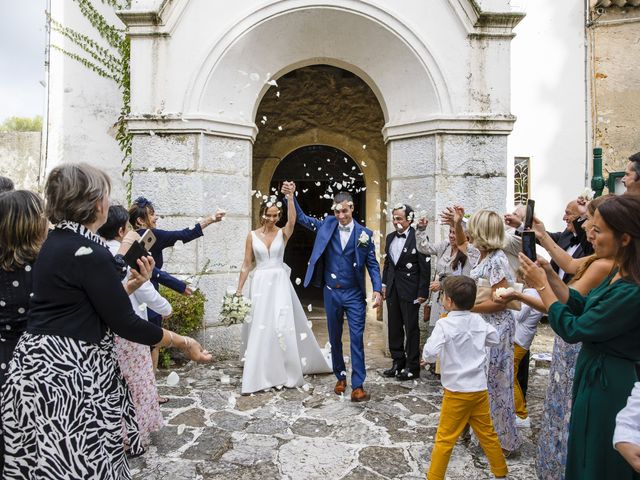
411,167
188,176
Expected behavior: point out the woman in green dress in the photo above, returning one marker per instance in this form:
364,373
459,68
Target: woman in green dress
608,325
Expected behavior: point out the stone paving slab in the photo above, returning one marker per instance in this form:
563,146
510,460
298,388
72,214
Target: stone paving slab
213,432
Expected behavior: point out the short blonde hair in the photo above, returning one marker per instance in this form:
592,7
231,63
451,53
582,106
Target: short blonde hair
23,228
486,230
72,191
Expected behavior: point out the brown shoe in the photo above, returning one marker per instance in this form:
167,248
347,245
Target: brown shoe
359,395
341,386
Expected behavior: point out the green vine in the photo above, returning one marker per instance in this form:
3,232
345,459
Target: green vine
107,64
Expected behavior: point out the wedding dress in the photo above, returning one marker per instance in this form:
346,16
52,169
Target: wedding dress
277,342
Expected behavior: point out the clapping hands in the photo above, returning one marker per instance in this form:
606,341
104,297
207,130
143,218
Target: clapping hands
452,215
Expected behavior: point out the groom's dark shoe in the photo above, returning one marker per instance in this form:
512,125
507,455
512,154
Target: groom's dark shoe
408,374
395,369
341,386
359,395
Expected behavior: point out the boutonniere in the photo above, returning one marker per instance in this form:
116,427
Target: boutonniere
363,239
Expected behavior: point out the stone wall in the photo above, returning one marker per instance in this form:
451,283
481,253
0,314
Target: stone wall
188,176
616,93
20,158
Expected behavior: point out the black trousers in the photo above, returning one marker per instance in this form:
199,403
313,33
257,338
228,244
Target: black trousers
404,332
523,375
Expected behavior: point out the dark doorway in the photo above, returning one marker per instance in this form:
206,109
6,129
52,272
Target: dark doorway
320,171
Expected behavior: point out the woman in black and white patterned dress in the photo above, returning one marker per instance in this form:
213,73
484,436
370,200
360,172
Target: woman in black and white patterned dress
65,401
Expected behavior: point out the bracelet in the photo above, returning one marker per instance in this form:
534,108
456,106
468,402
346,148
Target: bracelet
541,289
170,339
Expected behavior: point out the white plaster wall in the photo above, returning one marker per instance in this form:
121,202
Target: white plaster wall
82,106
248,44
549,99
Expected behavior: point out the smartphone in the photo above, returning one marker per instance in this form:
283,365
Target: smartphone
139,249
528,219
148,240
529,245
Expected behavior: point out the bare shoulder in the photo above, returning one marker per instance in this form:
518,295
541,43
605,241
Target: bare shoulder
602,265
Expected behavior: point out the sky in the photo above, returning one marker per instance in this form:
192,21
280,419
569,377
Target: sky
22,55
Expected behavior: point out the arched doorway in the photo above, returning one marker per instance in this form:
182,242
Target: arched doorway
322,127
319,171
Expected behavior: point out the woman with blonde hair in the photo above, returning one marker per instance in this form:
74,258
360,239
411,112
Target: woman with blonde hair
486,239
65,402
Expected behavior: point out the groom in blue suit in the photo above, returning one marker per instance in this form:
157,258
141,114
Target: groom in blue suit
341,251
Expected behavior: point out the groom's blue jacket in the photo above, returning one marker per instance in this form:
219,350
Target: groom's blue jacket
365,255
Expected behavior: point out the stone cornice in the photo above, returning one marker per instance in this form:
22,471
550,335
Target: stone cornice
479,23
470,124
174,123
153,22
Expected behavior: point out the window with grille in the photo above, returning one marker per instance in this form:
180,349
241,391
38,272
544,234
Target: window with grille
521,180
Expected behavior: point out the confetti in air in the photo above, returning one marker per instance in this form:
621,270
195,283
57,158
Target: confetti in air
173,379
82,251
309,307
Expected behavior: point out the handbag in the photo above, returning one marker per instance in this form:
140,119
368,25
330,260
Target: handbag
484,292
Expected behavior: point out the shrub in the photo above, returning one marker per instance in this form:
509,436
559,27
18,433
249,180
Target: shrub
187,317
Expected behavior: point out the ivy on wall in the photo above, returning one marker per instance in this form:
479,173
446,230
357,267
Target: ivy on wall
111,63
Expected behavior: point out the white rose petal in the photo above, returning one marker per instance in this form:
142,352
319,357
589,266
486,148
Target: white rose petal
333,275
173,379
305,387
309,307
83,251
225,379
303,336
298,281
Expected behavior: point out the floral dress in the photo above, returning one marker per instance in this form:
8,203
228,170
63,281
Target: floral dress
495,267
554,429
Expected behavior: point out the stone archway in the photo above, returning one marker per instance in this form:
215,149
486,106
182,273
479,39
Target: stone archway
440,130
323,105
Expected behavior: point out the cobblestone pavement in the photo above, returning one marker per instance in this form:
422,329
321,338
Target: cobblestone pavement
213,432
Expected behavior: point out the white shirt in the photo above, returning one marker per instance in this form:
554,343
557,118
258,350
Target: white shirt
571,250
460,340
344,236
527,321
146,295
397,245
628,420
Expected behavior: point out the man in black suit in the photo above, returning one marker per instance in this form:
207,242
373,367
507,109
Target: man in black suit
405,285
573,239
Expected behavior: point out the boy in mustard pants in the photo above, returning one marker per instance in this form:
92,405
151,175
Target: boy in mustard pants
460,340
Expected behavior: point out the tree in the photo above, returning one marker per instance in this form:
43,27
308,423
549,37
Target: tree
22,124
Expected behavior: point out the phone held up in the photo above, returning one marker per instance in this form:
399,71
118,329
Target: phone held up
529,245
139,249
528,219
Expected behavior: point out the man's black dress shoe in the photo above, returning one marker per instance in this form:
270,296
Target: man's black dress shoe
407,374
394,370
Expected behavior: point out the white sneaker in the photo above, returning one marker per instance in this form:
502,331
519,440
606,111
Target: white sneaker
523,422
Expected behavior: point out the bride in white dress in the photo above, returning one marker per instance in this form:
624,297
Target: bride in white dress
277,342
